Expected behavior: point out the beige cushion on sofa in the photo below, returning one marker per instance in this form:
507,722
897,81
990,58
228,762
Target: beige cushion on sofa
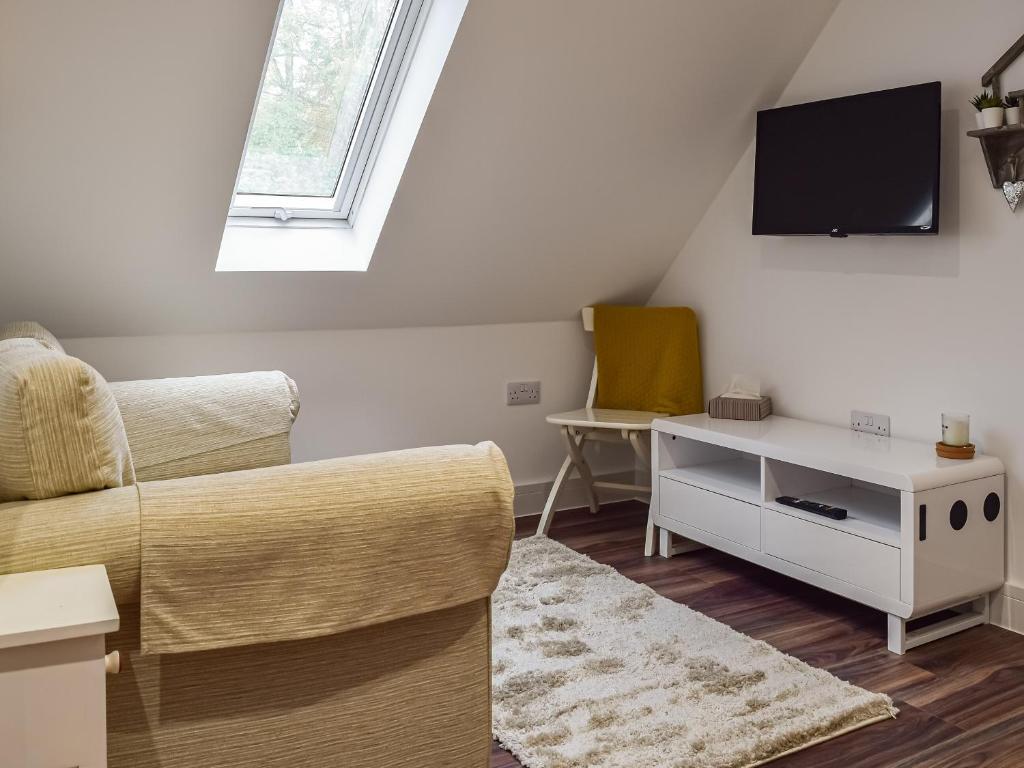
27,329
60,429
202,425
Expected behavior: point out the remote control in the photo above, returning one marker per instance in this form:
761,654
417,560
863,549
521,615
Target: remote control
834,513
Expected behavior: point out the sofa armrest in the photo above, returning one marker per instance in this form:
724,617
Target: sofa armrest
101,527
206,424
313,549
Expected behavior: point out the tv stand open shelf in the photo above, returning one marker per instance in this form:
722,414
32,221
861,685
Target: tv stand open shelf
922,534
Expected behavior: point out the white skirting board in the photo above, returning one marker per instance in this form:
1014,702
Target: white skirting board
530,497
1008,608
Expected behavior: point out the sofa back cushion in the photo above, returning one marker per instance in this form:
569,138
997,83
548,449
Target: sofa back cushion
28,329
203,425
60,429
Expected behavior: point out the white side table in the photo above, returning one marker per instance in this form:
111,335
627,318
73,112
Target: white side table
53,666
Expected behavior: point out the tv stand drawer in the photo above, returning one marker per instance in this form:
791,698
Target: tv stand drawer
723,516
844,556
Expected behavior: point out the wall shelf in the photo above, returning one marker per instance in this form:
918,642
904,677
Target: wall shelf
1006,129
1000,145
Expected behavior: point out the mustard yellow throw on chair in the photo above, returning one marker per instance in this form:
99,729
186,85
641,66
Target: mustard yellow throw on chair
648,359
647,365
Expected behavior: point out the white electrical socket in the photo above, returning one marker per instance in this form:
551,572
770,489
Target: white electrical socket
872,423
522,392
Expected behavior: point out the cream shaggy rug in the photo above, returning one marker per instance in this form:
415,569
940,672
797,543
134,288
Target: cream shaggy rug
592,670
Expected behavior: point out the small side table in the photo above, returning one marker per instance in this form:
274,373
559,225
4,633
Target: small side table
53,666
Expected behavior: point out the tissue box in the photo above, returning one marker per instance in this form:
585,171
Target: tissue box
739,408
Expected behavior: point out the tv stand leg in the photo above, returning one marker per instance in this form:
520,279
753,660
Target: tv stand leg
897,634
668,548
969,614
665,542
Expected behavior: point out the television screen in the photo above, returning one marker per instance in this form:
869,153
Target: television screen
858,165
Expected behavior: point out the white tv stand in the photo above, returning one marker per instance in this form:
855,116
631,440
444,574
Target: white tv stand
922,533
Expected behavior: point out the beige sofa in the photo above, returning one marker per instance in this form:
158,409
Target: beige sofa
334,613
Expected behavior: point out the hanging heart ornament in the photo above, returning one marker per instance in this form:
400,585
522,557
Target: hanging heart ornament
1013,191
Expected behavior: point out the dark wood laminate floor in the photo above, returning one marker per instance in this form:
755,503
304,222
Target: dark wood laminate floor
961,699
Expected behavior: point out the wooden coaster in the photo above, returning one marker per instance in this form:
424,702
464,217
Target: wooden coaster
955,451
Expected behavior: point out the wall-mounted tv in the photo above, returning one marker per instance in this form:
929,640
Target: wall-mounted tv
858,165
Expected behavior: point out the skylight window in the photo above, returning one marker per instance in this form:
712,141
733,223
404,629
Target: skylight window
332,73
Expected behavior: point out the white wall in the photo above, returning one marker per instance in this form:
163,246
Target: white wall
903,326
568,150
366,391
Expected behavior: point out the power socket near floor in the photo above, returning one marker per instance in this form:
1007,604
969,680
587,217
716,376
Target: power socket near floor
872,423
522,392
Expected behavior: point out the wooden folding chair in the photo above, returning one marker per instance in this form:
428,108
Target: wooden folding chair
602,425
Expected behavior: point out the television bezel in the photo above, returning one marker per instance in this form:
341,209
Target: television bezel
838,229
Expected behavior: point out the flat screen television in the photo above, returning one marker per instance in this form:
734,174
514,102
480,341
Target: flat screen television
858,165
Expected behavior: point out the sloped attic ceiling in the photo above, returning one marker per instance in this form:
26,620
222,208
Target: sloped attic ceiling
569,150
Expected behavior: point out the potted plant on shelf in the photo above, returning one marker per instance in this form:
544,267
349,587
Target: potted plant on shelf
992,114
1012,107
976,103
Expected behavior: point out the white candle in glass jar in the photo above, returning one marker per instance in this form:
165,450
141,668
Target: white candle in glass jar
956,428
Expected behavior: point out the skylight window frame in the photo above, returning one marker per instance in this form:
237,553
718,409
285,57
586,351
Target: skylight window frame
385,84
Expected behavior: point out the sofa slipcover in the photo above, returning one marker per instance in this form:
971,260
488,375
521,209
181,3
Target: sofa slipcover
28,329
201,425
60,429
378,570
295,552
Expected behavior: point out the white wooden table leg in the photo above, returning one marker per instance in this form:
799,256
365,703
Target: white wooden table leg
636,439
897,634
984,606
669,548
665,542
575,446
549,506
970,614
